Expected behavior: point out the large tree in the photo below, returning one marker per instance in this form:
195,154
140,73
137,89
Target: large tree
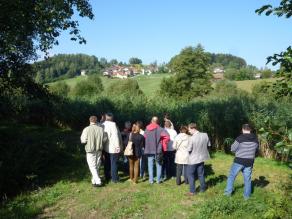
191,77
282,87
34,25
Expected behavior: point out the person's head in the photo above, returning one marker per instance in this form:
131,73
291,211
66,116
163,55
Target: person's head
128,125
184,129
167,124
166,117
109,117
140,124
246,128
192,127
135,128
102,118
155,120
92,119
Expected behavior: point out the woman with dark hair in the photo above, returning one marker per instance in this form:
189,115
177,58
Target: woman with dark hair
134,160
143,159
180,144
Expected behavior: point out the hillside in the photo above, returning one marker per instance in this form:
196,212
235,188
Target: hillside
150,84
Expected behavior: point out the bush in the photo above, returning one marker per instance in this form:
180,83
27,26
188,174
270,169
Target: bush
125,87
90,87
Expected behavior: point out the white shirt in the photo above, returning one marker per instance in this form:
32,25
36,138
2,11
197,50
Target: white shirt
172,134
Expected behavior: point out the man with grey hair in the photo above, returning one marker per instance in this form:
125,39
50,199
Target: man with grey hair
245,147
198,149
94,138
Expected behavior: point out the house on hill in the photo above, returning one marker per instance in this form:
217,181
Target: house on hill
218,73
117,71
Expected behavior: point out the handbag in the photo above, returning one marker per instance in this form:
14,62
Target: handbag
129,148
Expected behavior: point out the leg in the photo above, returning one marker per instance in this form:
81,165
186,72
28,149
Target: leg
136,169
201,176
172,164
114,167
191,177
185,172
142,165
179,168
107,166
131,167
158,172
163,168
247,171
91,160
150,167
235,168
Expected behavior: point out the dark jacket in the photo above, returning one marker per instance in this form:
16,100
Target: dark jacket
138,143
156,138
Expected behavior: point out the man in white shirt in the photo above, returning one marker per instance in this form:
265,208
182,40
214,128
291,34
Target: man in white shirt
198,149
112,149
94,137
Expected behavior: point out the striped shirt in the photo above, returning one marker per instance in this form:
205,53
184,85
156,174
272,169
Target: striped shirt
245,147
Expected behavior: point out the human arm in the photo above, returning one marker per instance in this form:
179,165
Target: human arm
235,146
84,136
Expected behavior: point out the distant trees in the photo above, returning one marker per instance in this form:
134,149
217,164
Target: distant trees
66,66
134,60
126,87
226,61
191,78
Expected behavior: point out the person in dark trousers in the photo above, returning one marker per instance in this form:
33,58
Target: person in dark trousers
134,160
180,144
245,147
198,154
112,149
143,159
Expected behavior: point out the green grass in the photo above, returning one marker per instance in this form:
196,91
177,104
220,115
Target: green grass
247,85
150,84
78,199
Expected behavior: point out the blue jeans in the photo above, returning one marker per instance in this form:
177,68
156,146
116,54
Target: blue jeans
151,160
192,170
246,171
111,167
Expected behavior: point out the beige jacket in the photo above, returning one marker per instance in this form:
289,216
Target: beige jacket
94,137
180,144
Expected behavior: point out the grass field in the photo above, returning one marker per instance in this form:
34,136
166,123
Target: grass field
150,84
76,198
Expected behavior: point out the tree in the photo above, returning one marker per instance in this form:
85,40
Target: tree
133,61
283,86
30,26
192,77
92,86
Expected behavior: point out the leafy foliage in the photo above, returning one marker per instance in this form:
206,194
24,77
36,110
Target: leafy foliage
134,60
282,87
66,66
226,61
126,87
90,87
192,78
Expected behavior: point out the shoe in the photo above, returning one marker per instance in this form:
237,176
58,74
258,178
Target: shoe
97,185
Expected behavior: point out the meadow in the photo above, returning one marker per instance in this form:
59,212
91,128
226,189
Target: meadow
71,195
150,84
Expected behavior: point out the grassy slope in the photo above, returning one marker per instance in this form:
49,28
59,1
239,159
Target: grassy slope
76,198
150,84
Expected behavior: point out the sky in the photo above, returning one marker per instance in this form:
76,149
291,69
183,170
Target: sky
157,30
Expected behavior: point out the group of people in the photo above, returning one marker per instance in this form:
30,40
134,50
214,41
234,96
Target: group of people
173,154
